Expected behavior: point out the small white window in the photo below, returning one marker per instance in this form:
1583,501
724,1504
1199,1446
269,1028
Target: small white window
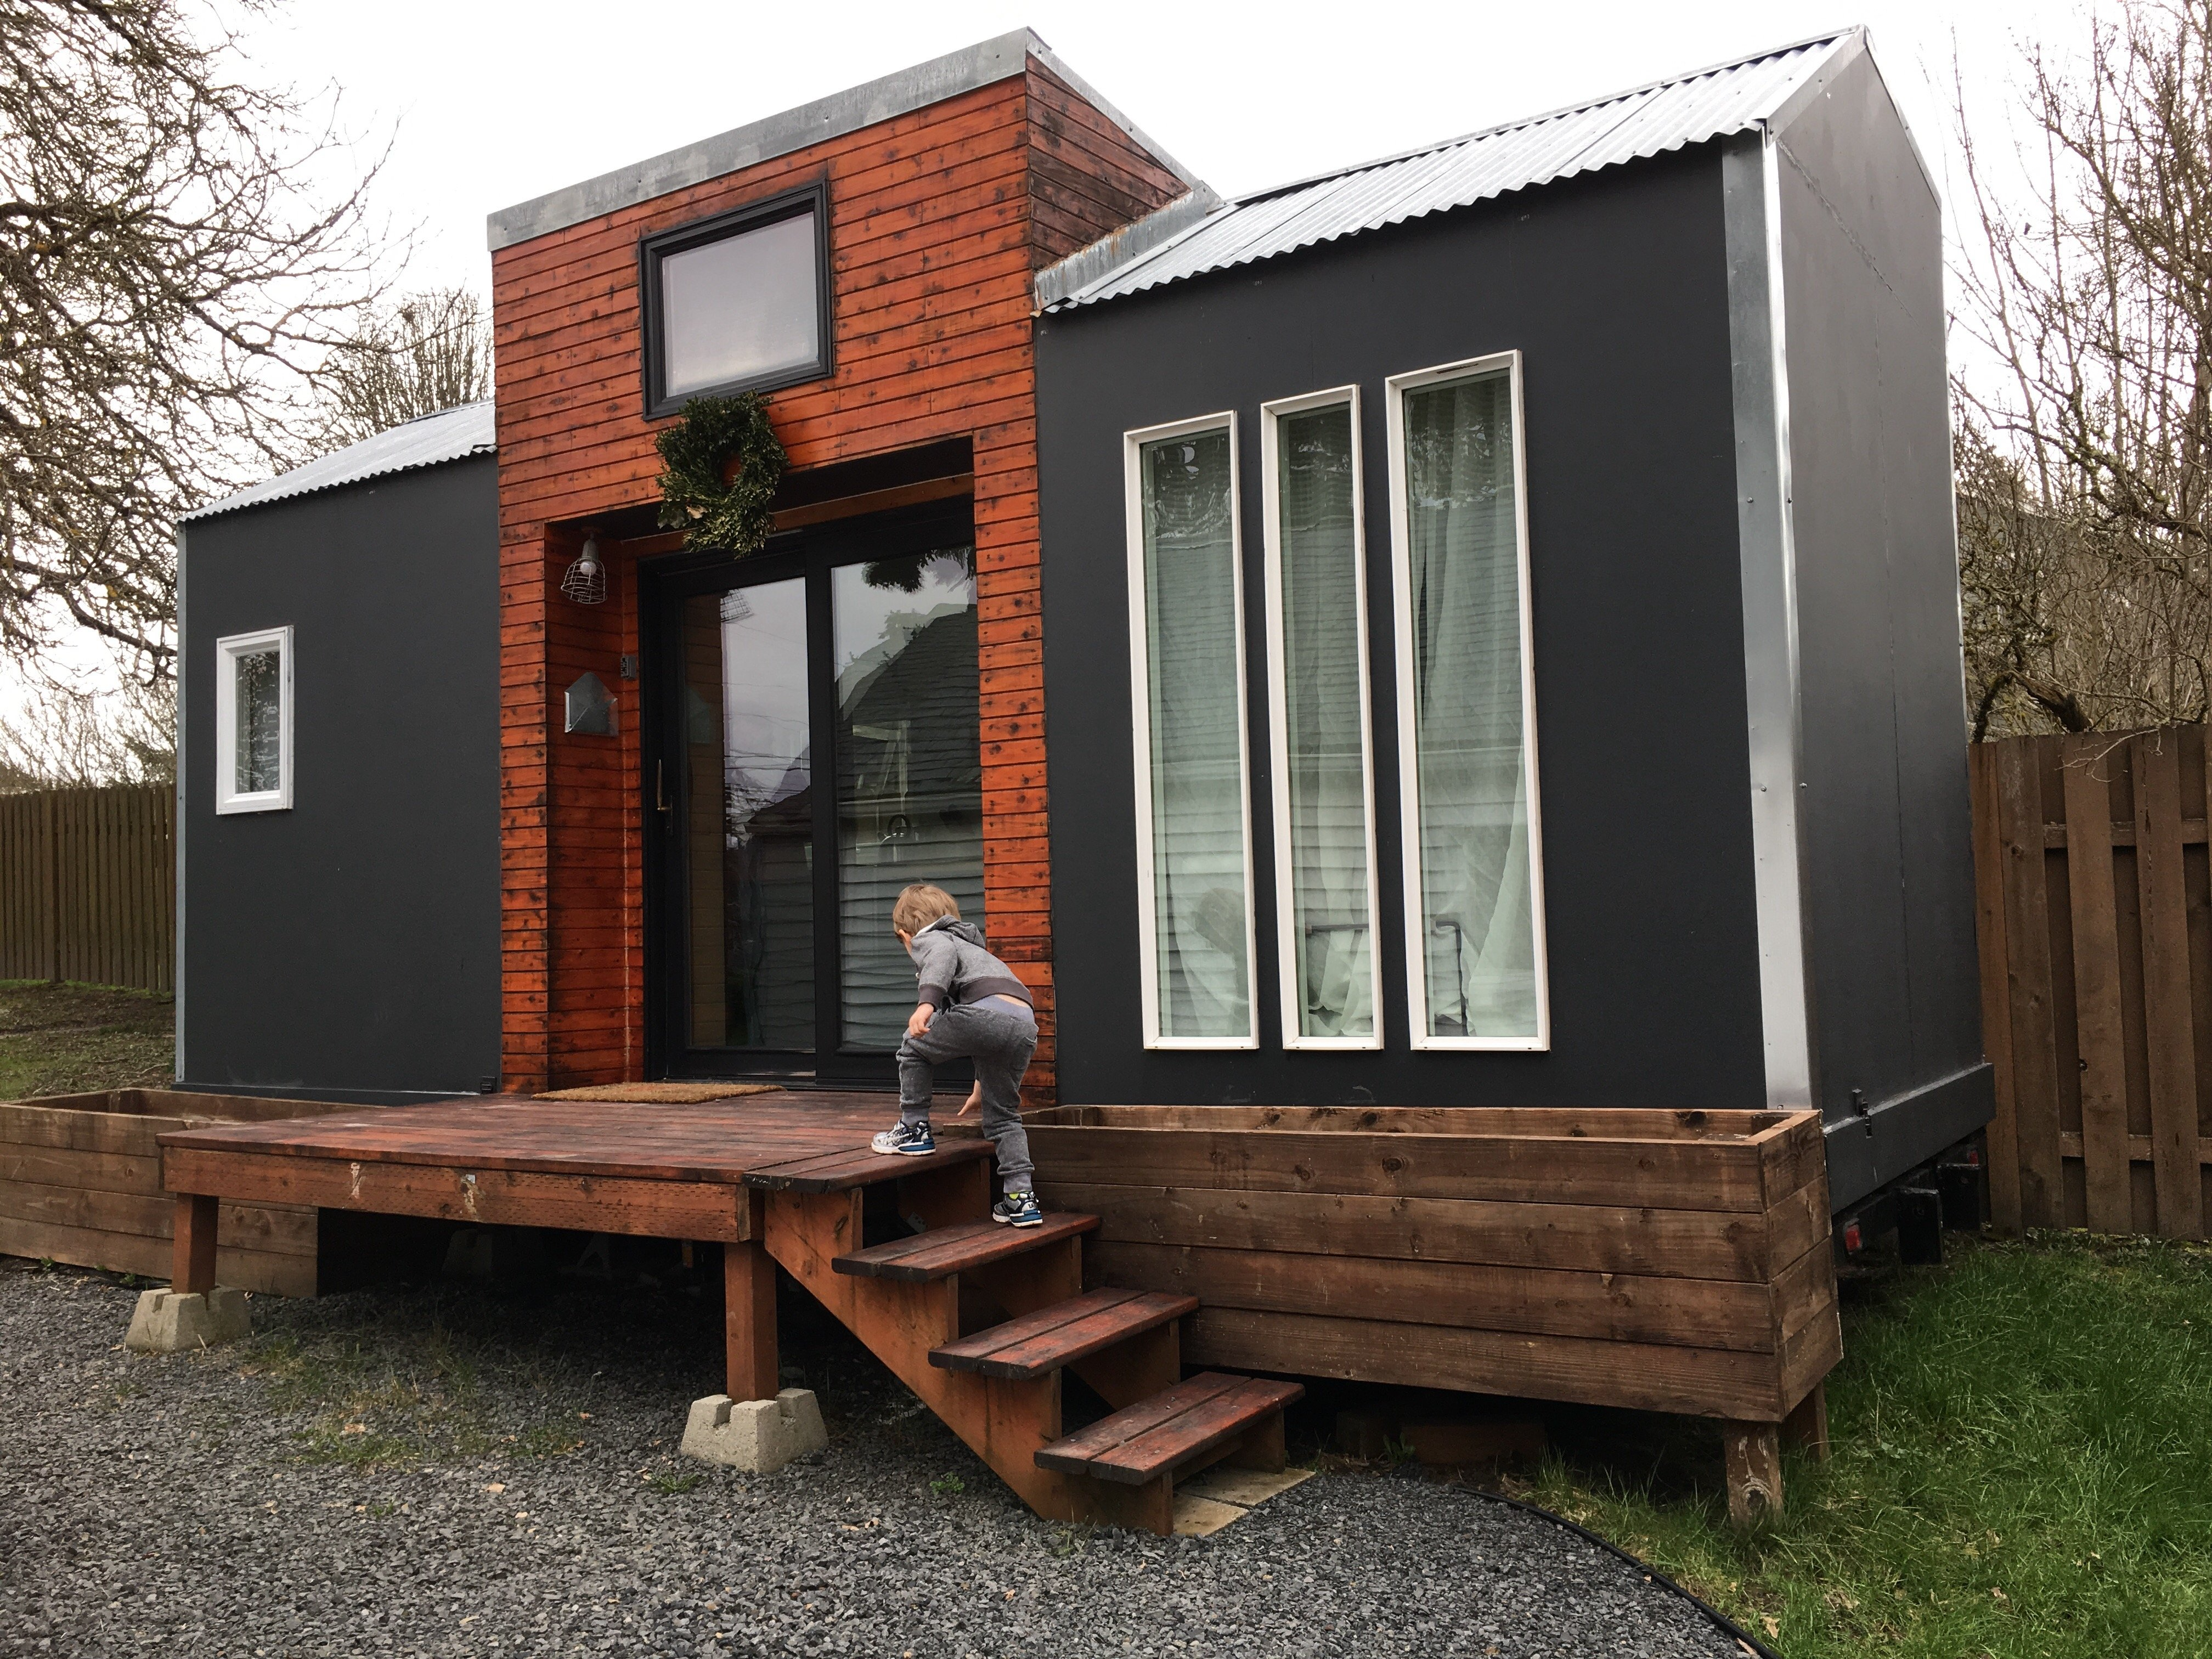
1195,922
1326,926
253,721
1467,709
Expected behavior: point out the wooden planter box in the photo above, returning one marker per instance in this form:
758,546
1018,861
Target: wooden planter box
80,1182
1675,1262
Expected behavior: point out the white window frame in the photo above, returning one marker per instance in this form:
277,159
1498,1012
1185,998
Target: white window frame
1394,390
1286,954
1140,727
227,651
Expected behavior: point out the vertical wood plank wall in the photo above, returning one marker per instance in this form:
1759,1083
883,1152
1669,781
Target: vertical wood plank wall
2096,915
939,220
89,885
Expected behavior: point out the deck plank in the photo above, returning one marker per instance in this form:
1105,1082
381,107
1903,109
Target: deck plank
716,1141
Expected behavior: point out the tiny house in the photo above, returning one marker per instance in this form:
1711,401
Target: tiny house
1442,678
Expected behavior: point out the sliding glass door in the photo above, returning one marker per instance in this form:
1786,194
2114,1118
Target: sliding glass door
818,751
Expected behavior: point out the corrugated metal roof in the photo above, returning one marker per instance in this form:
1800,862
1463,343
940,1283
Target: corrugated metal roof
1650,120
450,434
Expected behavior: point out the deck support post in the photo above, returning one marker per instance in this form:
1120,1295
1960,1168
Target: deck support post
1753,1455
1805,1428
749,1320
191,1269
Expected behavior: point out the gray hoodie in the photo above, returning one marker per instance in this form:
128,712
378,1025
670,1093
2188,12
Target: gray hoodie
954,968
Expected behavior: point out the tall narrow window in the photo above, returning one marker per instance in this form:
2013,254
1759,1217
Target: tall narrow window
253,721
1324,791
1186,682
1466,710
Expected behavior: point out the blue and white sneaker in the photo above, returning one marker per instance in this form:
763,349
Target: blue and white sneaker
1017,1210
905,1140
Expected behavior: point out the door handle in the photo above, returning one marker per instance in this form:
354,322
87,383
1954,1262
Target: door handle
660,786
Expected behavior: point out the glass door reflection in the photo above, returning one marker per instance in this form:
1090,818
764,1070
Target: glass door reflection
751,805
860,648
909,771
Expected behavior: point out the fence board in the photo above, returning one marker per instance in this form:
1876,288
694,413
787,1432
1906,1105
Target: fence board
2128,995
1996,1000
2085,769
2028,934
88,885
2166,1022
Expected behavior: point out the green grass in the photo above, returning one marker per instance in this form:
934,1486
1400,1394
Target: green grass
70,1039
2022,1467
416,1401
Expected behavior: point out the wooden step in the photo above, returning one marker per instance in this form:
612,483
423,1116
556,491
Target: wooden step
1061,1333
942,1251
1158,1436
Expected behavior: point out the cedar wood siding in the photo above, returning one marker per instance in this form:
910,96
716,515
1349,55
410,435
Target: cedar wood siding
939,220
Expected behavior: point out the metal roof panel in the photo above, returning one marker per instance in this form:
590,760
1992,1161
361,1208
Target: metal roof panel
1648,121
450,434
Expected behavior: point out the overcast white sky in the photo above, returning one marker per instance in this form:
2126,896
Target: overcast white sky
499,102
490,102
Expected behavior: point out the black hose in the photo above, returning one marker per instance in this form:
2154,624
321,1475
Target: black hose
1725,1625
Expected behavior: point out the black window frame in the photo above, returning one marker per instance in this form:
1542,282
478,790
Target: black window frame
812,553
655,246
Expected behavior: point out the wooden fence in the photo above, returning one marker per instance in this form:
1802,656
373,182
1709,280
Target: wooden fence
89,885
2091,883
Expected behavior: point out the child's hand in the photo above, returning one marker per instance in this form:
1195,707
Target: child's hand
918,1021
973,1104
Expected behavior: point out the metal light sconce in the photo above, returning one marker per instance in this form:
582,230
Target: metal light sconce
585,580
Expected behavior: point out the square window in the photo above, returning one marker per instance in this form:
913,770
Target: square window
253,721
739,302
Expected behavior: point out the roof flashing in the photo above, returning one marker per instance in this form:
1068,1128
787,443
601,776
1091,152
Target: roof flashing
982,64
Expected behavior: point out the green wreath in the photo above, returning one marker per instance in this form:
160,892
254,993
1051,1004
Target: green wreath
701,494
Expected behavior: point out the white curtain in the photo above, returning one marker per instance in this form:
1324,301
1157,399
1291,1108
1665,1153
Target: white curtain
1200,894
1325,725
1478,906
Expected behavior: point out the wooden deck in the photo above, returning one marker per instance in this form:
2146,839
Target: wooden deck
979,1321
691,1172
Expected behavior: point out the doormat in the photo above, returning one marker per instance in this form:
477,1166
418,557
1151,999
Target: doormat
662,1094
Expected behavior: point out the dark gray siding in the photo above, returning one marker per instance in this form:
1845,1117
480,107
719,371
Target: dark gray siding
349,948
1614,287
1888,874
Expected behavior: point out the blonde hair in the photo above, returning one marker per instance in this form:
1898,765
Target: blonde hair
920,904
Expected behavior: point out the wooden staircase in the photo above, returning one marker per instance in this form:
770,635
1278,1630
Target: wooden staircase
984,1321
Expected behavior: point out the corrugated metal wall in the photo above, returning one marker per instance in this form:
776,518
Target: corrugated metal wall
89,885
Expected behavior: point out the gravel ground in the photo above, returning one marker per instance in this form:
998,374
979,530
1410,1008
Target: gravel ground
452,1470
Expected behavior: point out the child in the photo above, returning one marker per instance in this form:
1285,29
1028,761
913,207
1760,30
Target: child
970,1007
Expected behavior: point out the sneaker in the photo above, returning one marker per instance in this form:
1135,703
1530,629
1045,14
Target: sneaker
905,1140
1017,1210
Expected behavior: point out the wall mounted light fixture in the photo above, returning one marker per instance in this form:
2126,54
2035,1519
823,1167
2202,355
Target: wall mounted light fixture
585,580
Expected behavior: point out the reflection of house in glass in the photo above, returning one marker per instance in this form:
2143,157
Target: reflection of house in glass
909,780
767,936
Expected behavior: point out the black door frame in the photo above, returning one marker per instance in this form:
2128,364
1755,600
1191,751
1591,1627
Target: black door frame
664,583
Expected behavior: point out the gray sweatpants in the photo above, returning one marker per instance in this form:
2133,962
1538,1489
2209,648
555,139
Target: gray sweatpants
1000,1041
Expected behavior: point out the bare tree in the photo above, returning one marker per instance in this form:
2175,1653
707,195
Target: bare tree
171,276
2085,524
430,351
62,738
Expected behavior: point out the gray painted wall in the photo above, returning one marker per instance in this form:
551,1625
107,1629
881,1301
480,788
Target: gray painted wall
1614,287
349,948
1888,863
